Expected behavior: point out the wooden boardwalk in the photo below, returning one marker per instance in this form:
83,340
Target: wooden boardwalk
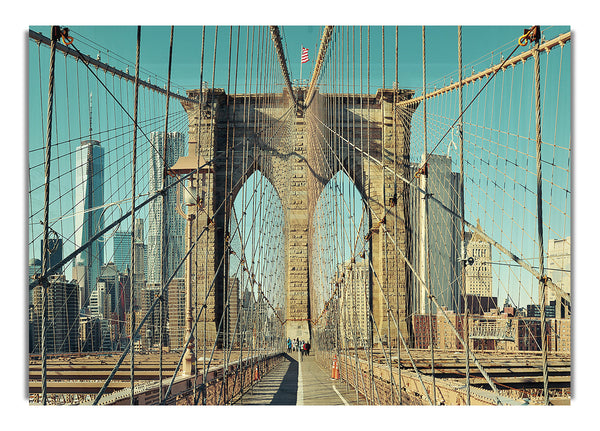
300,381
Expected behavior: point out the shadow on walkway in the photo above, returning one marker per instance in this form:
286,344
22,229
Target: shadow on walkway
286,394
278,387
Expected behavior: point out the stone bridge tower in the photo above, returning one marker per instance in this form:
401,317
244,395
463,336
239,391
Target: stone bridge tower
232,132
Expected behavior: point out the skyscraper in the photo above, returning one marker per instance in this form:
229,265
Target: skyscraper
354,300
89,195
138,276
478,275
174,224
443,233
54,253
559,271
122,251
176,295
62,331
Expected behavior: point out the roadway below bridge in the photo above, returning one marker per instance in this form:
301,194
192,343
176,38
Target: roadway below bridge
300,381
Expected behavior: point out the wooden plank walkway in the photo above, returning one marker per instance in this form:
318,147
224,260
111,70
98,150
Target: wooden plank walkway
300,381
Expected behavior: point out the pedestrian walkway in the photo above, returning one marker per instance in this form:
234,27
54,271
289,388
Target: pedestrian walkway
300,381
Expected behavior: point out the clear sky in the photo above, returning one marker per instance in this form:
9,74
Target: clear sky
116,45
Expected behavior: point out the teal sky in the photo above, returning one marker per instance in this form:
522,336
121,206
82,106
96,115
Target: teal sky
116,45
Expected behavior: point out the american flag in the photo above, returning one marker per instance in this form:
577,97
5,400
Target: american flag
304,57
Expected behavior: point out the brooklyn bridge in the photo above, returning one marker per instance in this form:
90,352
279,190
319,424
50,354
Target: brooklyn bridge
393,229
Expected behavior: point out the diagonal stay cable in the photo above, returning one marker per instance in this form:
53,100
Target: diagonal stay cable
188,340
434,299
68,258
118,364
54,268
221,206
473,100
458,217
86,63
388,307
150,310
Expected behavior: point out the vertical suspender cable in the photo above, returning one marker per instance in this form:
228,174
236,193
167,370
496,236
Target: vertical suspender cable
371,322
426,223
387,274
226,232
354,164
200,104
45,254
395,86
133,168
462,217
164,239
542,284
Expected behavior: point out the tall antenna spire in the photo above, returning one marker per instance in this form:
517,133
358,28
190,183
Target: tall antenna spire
90,116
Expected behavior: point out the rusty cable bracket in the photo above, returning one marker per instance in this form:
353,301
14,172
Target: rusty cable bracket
532,34
422,170
393,200
58,33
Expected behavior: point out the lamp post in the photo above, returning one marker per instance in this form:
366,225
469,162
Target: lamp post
194,200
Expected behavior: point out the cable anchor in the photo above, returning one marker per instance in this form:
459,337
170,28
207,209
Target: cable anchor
393,201
63,34
532,34
422,170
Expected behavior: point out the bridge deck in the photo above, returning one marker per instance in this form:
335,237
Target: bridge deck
300,381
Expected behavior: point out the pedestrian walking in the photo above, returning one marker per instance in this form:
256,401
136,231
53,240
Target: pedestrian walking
307,348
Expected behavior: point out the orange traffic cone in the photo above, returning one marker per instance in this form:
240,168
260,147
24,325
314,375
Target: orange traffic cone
335,371
256,375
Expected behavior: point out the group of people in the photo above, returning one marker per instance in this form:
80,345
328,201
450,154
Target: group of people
295,345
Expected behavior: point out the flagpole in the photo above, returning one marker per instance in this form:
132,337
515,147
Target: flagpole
301,53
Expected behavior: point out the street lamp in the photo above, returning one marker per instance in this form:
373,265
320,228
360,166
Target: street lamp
194,200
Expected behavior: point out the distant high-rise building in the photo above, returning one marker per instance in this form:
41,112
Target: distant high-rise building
89,199
443,252
354,300
62,330
138,276
35,268
150,331
110,276
101,303
122,251
559,271
479,275
55,252
233,305
176,295
115,285
100,300
90,334
174,224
